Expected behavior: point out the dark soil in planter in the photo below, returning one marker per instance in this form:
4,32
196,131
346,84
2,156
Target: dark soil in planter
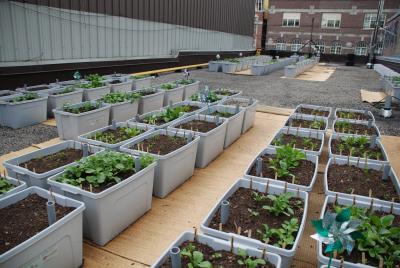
113,136
147,93
358,152
99,189
198,125
24,219
222,114
310,111
37,88
224,93
303,172
352,115
239,215
359,129
237,102
227,258
344,178
82,109
53,161
162,144
299,142
301,123
115,82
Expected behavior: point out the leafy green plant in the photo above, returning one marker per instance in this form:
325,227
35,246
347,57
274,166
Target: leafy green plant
117,97
210,97
135,77
280,204
85,107
253,213
65,90
286,159
258,197
146,160
185,81
167,115
248,261
342,126
25,97
196,258
267,233
348,115
5,186
286,232
120,134
95,80
317,124
307,142
168,86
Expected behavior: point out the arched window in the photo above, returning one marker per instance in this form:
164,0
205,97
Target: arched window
320,46
361,48
296,45
280,44
336,47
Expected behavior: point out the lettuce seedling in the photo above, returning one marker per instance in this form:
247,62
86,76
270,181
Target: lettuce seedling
5,185
196,258
248,261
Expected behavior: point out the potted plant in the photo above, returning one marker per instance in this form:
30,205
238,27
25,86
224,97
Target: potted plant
141,81
191,87
369,232
38,237
74,120
175,154
285,165
357,147
249,105
200,250
124,106
314,110
234,116
162,118
23,110
120,84
173,92
34,168
9,186
95,89
363,115
63,95
307,122
206,96
114,136
230,65
346,126
212,132
310,141
215,66
225,92
108,183
189,107
277,214
363,179
150,99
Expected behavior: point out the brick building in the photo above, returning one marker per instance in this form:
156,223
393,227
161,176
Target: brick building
339,27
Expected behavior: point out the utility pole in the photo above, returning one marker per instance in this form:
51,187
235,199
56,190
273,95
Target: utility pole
375,33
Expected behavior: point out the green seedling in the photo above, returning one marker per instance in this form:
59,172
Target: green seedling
86,107
317,124
168,86
286,159
118,97
258,197
5,186
253,213
248,261
95,80
196,258
25,97
280,204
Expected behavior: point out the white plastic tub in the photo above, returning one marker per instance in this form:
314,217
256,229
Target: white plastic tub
250,107
56,101
90,94
151,102
173,95
40,179
125,85
157,112
308,118
315,107
211,144
190,89
353,111
217,244
272,150
111,211
18,186
43,89
286,254
215,66
142,83
377,132
202,106
59,245
123,111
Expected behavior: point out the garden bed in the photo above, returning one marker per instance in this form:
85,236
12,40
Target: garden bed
95,88
151,99
9,186
206,96
163,118
124,106
363,115
249,105
314,110
190,107
61,96
355,127
173,93
307,122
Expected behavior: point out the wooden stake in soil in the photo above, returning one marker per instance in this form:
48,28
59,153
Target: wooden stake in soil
264,253
220,226
336,198
276,175
370,193
354,199
232,244
372,204
298,193
251,183
26,166
285,187
287,131
91,188
239,230
249,233
195,234
391,206
380,262
363,259
334,160
267,187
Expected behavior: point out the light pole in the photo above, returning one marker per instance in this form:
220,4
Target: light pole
375,34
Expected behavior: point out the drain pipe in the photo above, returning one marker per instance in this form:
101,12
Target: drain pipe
85,150
138,164
113,124
51,212
224,211
386,171
175,255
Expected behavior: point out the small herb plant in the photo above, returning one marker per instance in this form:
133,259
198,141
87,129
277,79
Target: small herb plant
348,115
117,97
65,90
185,81
285,160
166,116
5,185
317,124
168,86
342,126
210,97
85,107
118,135
248,261
136,77
196,258
358,146
280,204
95,80
25,97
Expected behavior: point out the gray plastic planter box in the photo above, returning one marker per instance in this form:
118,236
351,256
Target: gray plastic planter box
229,67
59,245
90,94
86,138
315,107
290,71
361,164
308,118
353,111
123,111
55,101
151,102
124,86
190,89
172,169
173,95
249,113
40,179
217,244
18,187
215,66
111,211
142,83
235,122
24,113
70,125
377,132
286,254
211,144
272,150
43,89
323,260
378,143
258,69
304,134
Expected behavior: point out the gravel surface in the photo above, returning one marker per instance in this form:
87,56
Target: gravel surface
17,139
342,89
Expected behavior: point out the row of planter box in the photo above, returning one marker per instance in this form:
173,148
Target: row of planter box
235,65
294,70
271,66
391,86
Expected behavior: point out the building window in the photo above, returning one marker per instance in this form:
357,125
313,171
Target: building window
370,20
320,46
280,44
291,19
296,45
361,48
336,47
379,48
331,20
259,5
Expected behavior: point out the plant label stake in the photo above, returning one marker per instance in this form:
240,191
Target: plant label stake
224,211
51,212
175,255
386,171
372,142
189,137
138,165
259,166
85,150
237,108
369,123
113,125
217,120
